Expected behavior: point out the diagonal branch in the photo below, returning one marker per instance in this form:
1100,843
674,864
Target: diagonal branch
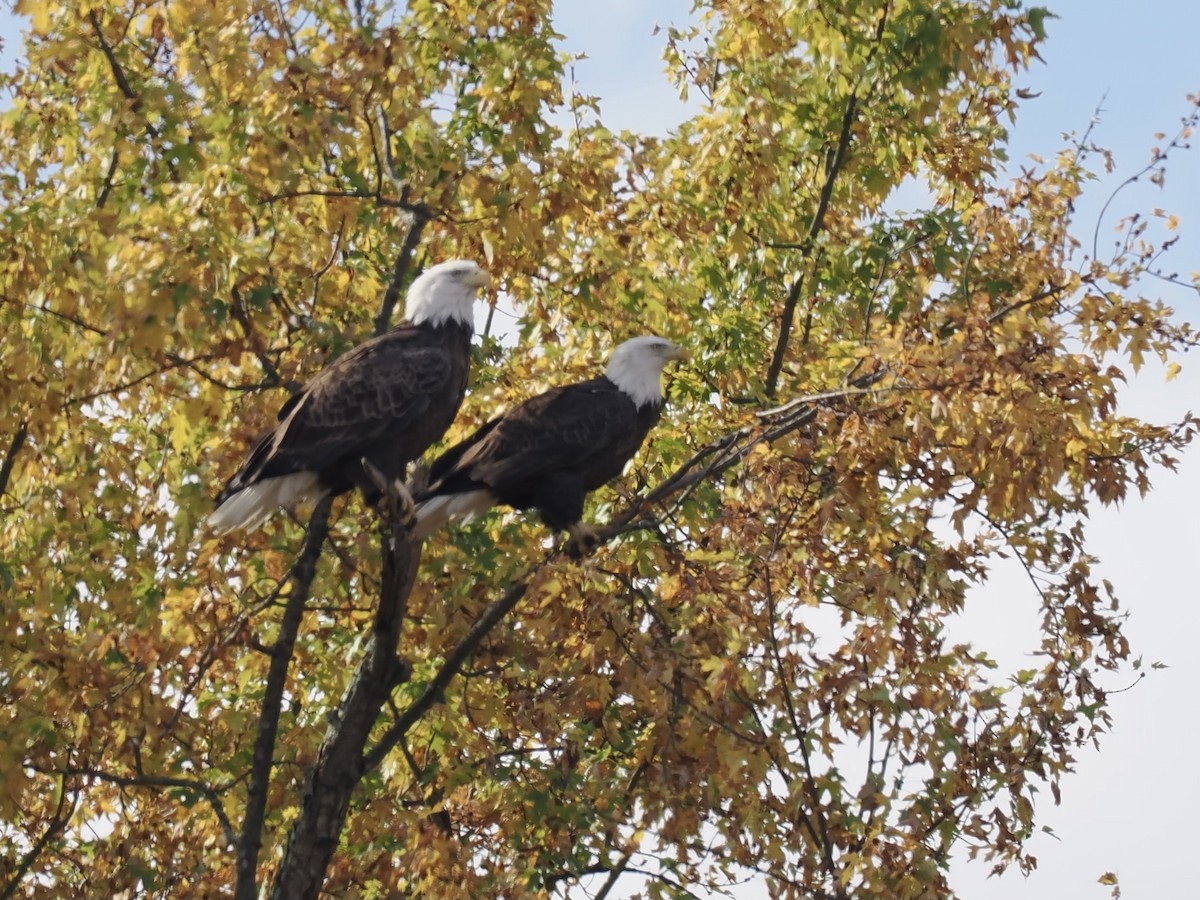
10,458
835,160
391,297
127,91
436,688
57,823
303,572
117,70
106,188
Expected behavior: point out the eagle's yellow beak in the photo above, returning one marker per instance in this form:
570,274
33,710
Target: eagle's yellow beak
680,353
478,279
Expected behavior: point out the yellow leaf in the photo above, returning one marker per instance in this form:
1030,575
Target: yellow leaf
1172,223
39,15
1173,370
181,429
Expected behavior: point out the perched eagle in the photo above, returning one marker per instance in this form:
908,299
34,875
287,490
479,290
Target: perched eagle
386,400
550,451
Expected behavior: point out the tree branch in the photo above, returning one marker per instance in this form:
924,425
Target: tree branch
613,875
238,308
114,64
127,91
325,800
436,688
10,458
380,199
303,572
207,791
106,188
57,823
420,218
72,320
834,161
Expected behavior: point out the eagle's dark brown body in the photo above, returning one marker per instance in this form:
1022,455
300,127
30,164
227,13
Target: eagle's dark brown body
549,452
386,400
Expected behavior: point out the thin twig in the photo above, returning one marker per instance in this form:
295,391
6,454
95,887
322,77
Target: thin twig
57,823
207,791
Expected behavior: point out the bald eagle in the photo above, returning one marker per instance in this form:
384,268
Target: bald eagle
386,401
550,451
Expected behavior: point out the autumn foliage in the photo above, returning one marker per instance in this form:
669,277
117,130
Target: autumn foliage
204,202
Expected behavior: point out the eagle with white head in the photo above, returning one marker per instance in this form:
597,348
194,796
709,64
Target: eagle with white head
550,451
385,402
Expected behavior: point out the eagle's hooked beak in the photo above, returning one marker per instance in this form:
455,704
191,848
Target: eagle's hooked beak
478,279
679,353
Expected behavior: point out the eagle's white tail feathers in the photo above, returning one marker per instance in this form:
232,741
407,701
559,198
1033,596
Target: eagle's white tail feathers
432,514
253,505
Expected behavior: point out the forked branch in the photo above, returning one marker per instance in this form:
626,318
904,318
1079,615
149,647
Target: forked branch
303,573
325,802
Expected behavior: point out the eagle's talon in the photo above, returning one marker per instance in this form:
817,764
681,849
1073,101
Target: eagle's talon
584,539
394,504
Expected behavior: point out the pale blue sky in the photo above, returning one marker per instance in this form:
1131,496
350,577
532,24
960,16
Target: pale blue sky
1128,807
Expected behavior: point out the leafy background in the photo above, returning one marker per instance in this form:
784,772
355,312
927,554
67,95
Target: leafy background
1125,807
174,426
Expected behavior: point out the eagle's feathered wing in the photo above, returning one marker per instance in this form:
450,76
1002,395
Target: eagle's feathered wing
386,400
546,453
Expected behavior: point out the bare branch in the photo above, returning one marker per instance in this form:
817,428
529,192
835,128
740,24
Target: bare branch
834,161
73,320
1157,162
124,386
436,688
383,321
377,197
129,94
106,188
303,572
238,308
117,70
10,458
325,800
213,380
207,791
613,874
57,823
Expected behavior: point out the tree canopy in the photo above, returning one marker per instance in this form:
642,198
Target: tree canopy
204,203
